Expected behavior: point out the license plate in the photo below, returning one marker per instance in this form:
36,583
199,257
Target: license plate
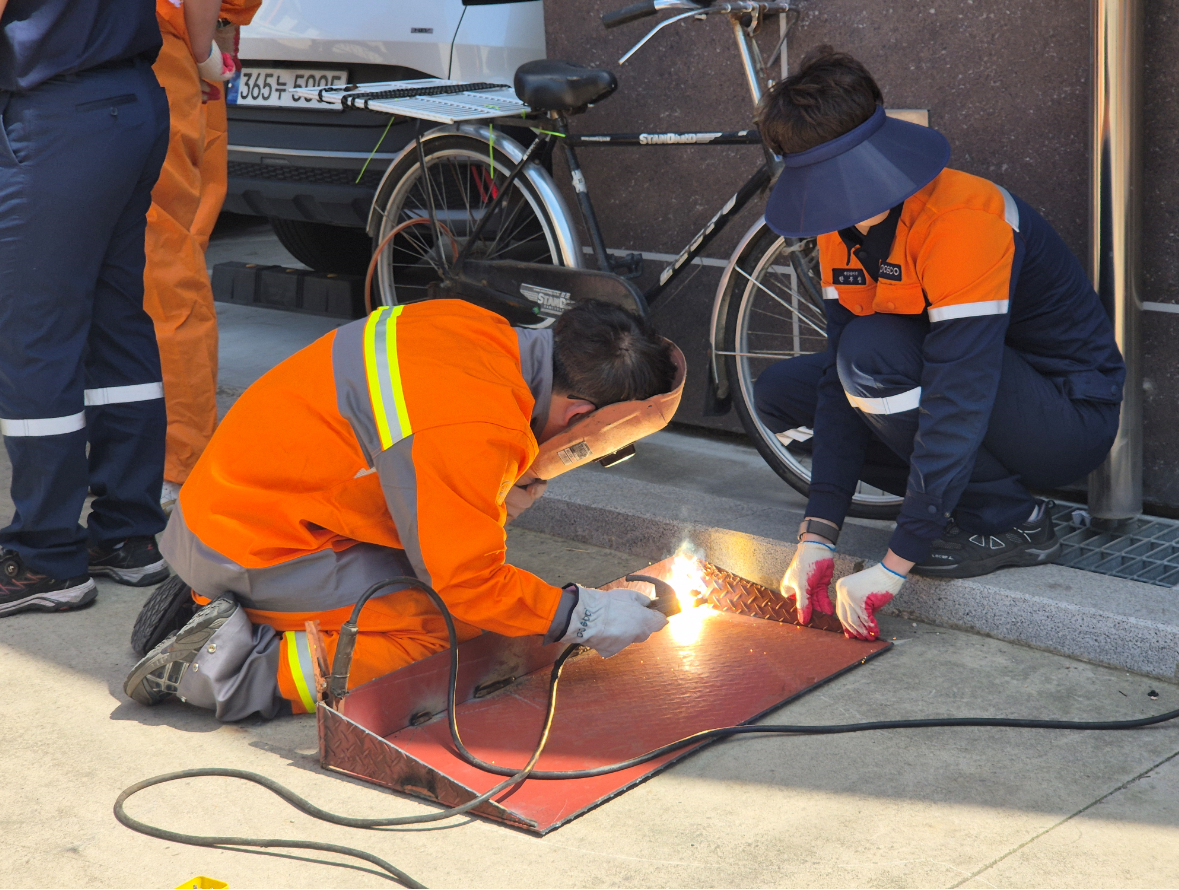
272,87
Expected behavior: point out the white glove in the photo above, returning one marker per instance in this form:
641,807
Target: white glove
218,68
860,595
610,620
808,577
523,495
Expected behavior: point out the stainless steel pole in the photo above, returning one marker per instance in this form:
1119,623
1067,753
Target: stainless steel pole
1115,488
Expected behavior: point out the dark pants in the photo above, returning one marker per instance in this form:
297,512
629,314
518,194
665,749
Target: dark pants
1037,437
79,364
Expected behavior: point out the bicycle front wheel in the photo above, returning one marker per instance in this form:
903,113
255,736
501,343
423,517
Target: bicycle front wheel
775,312
462,179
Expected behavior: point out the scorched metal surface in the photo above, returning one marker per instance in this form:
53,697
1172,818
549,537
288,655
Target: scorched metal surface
712,667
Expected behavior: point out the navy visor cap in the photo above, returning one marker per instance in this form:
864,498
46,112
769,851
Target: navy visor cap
855,176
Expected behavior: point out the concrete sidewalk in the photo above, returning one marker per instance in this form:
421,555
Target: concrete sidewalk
969,808
939,807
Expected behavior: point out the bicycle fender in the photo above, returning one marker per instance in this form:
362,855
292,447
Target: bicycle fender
568,241
719,397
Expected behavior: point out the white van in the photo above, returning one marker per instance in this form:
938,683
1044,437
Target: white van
313,172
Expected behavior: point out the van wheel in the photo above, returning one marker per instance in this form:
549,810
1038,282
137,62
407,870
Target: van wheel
325,248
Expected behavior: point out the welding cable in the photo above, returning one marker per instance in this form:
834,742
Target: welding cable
514,776
728,731
312,810
711,734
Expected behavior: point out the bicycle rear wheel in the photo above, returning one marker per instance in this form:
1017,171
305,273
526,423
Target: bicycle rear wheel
775,312
462,180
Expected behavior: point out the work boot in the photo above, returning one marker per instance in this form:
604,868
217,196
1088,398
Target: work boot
168,609
24,590
960,554
158,674
135,562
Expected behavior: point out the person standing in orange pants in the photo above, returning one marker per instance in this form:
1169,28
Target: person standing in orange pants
177,292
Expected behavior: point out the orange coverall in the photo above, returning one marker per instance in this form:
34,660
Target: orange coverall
396,435
185,204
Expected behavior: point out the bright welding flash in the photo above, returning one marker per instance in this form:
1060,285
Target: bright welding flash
687,577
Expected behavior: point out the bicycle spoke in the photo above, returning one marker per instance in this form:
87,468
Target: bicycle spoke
778,299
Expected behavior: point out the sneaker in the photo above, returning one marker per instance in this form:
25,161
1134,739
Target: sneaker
158,674
168,609
169,495
24,590
960,554
136,562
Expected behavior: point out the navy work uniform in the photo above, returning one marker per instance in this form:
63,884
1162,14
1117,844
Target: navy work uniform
969,360
85,130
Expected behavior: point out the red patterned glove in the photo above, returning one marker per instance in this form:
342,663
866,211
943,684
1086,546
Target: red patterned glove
808,578
861,595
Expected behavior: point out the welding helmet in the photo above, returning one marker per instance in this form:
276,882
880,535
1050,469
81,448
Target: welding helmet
611,429
854,177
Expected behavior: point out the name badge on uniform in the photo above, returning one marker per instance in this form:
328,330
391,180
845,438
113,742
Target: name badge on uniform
890,272
848,277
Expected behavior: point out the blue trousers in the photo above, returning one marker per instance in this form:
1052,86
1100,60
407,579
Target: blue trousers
81,397
1037,437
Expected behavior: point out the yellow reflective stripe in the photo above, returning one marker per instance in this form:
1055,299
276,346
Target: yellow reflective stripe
384,376
374,383
299,661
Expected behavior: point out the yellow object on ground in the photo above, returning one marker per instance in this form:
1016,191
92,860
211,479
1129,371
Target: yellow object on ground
200,882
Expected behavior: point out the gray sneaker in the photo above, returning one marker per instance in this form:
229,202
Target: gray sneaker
158,674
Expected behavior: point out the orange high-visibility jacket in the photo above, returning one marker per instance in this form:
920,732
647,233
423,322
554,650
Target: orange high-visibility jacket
403,430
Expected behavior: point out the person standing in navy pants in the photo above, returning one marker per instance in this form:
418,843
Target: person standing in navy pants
84,132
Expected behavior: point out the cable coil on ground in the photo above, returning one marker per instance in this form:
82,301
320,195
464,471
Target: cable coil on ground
340,671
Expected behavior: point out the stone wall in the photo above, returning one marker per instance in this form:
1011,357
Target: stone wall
1008,83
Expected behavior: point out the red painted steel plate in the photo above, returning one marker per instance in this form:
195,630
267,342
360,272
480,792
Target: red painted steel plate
708,669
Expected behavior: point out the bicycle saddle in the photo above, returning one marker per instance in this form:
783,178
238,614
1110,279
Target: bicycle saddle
549,85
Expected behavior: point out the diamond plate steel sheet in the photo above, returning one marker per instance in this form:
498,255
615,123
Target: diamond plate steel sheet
723,664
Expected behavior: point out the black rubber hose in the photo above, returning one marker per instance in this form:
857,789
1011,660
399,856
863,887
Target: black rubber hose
323,815
340,668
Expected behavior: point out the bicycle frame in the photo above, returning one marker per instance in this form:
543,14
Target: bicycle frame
755,76
756,183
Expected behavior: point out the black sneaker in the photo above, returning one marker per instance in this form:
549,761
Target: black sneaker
959,554
136,562
157,675
168,609
23,590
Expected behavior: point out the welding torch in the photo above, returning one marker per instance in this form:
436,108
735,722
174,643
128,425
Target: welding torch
666,601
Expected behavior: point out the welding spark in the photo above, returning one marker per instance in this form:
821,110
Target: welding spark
687,577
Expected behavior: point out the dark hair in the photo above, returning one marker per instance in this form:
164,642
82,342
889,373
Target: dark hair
604,354
831,94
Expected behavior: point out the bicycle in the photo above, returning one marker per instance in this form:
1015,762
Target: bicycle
488,224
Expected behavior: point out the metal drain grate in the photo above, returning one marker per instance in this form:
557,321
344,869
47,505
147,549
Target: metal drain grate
1147,552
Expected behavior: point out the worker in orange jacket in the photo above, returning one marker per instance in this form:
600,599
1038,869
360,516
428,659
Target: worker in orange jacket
191,67
393,446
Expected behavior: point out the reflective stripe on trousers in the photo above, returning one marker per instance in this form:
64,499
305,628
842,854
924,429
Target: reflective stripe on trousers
59,426
302,669
898,404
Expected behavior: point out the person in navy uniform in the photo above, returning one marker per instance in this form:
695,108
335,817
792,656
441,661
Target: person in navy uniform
85,130
969,359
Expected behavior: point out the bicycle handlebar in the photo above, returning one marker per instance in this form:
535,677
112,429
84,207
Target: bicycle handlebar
629,13
646,8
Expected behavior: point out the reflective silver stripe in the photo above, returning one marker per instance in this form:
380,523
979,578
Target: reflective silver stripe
1010,211
968,310
830,293
898,404
799,434
43,426
114,395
